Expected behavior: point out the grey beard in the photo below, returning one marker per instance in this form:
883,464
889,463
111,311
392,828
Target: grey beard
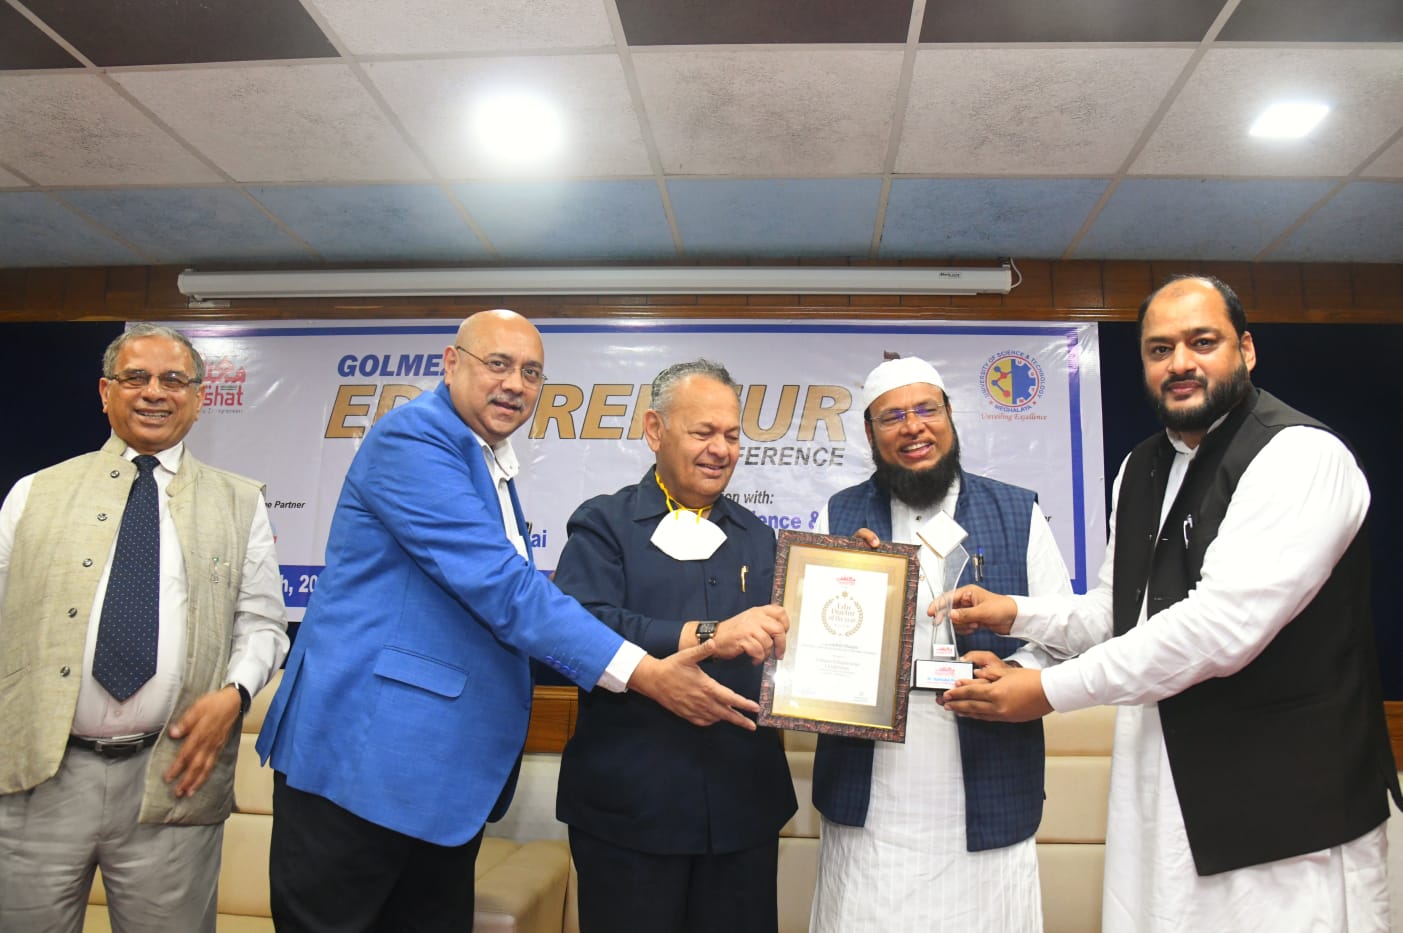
920,489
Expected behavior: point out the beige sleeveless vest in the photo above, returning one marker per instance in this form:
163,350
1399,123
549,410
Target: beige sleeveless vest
61,546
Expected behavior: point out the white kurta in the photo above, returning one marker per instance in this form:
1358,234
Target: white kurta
1274,550
908,867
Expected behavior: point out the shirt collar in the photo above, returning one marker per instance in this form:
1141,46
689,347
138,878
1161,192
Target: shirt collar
169,458
1178,444
501,458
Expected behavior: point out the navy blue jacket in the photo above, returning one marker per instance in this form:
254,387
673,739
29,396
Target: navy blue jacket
634,774
1003,762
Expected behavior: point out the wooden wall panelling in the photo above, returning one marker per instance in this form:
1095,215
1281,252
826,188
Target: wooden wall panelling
1082,290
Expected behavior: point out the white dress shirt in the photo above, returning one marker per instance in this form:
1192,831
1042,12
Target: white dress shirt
503,465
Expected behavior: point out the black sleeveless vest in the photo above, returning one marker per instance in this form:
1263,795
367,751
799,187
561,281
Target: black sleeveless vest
1290,754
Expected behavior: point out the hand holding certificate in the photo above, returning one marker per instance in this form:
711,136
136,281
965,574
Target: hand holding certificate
852,614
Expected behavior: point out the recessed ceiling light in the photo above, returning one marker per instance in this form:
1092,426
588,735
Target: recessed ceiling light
1288,120
517,127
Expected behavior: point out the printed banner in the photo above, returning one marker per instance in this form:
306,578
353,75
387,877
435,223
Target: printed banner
288,402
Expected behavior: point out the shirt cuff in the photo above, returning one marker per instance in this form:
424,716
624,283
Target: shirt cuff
616,676
1064,689
1025,658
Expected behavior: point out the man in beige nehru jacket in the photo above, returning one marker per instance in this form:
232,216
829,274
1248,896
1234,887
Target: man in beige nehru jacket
140,609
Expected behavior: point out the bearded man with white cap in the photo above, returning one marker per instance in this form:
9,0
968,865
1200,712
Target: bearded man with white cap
936,833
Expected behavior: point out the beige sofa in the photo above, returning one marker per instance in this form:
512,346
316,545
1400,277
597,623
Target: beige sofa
525,881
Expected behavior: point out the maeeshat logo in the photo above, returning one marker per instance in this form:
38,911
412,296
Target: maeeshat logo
224,384
1012,380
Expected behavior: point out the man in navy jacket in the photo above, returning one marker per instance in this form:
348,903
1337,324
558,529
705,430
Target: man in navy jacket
663,814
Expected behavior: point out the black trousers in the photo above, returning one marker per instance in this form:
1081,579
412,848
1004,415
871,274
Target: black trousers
638,892
332,872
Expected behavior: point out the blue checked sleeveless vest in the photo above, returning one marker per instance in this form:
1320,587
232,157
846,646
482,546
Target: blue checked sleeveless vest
1003,762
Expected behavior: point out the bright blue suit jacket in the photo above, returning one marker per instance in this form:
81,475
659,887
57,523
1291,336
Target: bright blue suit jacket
408,689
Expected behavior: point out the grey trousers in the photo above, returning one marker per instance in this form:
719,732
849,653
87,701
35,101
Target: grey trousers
158,878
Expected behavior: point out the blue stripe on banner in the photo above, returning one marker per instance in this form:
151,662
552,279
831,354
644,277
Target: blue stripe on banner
299,582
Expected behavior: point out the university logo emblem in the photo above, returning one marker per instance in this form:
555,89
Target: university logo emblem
1012,380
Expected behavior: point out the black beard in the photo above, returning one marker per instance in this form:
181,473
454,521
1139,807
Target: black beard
1221,398
920,489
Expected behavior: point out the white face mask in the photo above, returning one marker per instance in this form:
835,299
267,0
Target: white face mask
684,535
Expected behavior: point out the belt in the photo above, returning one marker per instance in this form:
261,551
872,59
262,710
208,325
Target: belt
115,748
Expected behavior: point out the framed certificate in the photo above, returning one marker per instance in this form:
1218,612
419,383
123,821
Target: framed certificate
852,614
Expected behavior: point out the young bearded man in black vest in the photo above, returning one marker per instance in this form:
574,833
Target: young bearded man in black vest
1231,622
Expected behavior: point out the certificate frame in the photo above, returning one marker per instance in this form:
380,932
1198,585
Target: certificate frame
785,701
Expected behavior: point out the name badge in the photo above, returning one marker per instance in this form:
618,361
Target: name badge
943,652
940,674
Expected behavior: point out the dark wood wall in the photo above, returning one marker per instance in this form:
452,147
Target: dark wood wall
1071,291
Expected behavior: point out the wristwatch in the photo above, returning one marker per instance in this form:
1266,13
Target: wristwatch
706,631
244,699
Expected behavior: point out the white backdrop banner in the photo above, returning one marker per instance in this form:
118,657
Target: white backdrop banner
288,402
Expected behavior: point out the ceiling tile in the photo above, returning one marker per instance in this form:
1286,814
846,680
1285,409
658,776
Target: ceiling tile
434,99
375,222
189,225
39,231
24,45
167,32
790,217
1205,130
1192,218
1363,223
279,122
1067,20
745,22
73,129
770,111
1389,164
1315,21
423,27
1031,111
570,220
978,218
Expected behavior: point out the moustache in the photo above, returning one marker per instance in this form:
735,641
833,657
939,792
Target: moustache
1172,381
510,399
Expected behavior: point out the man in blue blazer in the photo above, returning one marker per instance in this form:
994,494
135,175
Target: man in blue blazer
398,726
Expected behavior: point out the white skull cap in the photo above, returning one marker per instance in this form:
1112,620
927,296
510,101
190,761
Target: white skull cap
896,374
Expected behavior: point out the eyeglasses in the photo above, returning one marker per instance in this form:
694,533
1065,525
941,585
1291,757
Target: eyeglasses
135,379
893,418
531,375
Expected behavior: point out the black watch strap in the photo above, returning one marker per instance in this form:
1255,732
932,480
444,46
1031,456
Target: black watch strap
706,631
244,699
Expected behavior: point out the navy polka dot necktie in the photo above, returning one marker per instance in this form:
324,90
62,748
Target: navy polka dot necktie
125,656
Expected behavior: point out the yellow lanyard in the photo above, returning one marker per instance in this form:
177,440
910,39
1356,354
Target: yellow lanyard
674,506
